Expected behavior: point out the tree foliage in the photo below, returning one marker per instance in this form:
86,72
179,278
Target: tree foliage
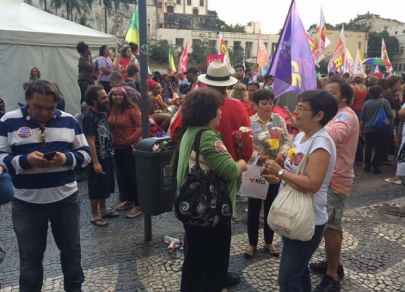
159,50
222,26
236,54
201,48
375,42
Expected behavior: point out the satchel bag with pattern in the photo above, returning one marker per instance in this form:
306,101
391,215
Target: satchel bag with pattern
203,199
292,213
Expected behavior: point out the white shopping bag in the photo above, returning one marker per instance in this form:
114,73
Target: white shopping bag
253,185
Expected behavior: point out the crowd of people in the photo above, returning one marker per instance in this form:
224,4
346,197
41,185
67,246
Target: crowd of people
45,150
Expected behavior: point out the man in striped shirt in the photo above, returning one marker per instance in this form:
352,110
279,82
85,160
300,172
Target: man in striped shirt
45,186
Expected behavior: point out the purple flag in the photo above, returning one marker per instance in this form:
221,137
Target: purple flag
293,68
333,69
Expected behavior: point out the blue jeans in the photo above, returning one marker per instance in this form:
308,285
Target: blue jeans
293,271
30,222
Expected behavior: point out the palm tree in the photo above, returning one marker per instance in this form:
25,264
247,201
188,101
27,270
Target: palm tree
70,6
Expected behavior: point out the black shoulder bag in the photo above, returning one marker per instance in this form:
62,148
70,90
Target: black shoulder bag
203,198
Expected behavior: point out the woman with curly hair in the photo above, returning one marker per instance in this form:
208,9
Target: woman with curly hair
86,68
206,251
239,92
124,120
35,74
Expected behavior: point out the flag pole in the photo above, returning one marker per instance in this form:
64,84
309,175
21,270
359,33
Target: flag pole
257,53
281,33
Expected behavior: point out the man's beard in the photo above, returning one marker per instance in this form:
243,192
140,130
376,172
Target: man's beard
103,107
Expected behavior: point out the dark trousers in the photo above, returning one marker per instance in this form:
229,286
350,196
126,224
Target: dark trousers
360,143
30,222
388,140
126,165
106,85
374,141
83,84
254,207
206,258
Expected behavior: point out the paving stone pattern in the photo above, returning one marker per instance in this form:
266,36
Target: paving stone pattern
115,258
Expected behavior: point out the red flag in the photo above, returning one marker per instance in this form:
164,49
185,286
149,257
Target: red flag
183,59
338,58
384,56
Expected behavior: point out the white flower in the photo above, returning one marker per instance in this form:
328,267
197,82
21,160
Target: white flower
244,129
264,136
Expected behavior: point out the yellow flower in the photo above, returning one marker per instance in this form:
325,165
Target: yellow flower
274,144
291,153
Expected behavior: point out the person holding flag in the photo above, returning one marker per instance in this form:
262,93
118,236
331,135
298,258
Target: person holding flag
132,35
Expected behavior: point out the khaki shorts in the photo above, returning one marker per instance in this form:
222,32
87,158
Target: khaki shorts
335,207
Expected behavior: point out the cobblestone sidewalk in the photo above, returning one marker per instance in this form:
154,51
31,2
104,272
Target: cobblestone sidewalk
116,259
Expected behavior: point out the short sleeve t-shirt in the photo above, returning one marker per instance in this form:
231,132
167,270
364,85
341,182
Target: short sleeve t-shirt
107,63
321,216
95,124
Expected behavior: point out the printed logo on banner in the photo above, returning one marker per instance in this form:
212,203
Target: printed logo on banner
261,180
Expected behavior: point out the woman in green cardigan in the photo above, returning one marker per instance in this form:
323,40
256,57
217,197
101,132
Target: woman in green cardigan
206,251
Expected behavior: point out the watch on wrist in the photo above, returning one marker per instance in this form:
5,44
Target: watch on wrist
280,173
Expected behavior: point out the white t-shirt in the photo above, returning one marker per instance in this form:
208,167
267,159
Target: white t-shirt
320,198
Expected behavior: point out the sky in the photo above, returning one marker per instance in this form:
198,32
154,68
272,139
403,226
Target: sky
272,13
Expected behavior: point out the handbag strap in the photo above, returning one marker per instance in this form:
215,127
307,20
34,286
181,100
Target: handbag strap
197,145
301,168
382,102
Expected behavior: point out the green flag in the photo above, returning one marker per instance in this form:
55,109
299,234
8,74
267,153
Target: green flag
133,29
171,60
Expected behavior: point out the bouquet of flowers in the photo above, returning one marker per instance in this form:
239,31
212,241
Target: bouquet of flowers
241,137
271,140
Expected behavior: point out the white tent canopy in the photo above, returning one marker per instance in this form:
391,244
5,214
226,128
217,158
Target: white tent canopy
30,37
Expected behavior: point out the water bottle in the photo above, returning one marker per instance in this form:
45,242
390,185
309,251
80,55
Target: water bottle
168,239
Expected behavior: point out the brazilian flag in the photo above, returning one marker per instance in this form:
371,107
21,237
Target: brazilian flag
133,29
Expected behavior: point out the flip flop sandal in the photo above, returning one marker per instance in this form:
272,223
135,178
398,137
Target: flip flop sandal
111,214
99,222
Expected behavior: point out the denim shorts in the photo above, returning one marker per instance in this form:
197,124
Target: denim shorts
334,207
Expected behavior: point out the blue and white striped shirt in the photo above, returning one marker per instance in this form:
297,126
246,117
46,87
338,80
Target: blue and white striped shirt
19,135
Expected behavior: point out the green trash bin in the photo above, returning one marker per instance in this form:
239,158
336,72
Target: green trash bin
156,183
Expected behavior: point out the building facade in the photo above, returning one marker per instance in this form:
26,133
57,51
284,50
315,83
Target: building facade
354,40
373,22
248,41
398,58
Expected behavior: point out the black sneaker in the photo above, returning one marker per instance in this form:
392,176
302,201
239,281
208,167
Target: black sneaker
328,284
322,268
232,279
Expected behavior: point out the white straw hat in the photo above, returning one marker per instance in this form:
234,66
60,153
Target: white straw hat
217,75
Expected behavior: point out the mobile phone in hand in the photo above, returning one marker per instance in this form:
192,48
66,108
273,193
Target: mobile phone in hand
50,155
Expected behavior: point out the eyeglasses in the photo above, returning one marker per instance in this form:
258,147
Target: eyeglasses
300,108
41,137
